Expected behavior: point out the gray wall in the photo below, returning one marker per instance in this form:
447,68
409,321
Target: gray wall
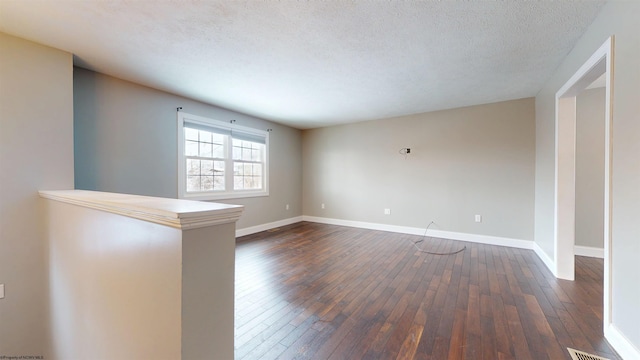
590,168
126,141
36,153
466,161
619,19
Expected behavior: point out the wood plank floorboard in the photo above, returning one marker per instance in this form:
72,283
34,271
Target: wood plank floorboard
316,291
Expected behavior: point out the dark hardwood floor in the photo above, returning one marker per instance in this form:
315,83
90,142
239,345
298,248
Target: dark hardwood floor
315,291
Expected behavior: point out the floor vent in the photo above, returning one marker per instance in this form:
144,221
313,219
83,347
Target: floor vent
581,355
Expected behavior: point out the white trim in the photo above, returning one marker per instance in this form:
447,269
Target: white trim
565,192
482,239
608,176
365,225
545,258
601,61
176,213
589,251
238,194
623,346
267,226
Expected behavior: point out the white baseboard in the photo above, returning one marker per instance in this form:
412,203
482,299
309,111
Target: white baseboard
589,251
482,239
267,226
620,343
578,250
365,225
545,258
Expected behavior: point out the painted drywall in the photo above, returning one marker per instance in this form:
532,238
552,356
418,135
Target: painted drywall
463,162
590,168
621,20
208,277
126,141
115,285
36,153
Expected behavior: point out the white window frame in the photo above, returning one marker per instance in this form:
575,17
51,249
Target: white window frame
229,192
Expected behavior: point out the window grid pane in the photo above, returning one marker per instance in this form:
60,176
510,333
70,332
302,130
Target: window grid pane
204,144
191,148
247,176
247,150
205,175
205,136
191,134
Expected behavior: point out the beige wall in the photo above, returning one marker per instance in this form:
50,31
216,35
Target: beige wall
619,19
208,275
590,168
126,141
36,152
135,288
115,286
463,162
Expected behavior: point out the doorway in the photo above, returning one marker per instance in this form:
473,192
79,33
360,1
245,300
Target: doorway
601,62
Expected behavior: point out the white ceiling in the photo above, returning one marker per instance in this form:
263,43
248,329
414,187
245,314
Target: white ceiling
315,63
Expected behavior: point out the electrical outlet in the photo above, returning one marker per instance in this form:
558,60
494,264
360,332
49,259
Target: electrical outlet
387,211
322,206
286,207
478,218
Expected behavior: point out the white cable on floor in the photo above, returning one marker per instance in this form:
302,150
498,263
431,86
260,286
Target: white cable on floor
415,243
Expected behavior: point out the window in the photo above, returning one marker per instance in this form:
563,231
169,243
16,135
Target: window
218,160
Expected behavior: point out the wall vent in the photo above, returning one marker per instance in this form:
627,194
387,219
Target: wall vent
581,355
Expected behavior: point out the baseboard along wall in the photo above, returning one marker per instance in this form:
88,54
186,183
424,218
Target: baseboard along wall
621,343
589,251
450,235
267,226
483,239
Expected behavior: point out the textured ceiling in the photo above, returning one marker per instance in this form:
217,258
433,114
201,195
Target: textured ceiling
315,63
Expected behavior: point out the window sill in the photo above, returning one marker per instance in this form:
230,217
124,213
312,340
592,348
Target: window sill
224,196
